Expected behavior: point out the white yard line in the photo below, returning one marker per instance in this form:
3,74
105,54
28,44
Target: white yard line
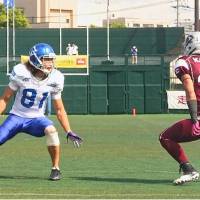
99,195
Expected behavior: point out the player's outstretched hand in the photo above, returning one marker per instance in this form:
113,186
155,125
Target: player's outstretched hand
196,128
74,138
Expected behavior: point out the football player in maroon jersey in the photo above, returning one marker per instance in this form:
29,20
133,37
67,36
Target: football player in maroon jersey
187,69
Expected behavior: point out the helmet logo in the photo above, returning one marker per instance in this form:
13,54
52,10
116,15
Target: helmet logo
39,52
189,39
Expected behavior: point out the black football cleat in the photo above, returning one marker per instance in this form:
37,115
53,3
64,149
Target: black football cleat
55,175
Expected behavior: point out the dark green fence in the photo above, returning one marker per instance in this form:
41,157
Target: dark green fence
117,89
109,89
148,40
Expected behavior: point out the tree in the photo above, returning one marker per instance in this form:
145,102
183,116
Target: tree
20,19
117,24
93,26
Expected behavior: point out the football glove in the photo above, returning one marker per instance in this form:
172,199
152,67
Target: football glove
196,128
74,138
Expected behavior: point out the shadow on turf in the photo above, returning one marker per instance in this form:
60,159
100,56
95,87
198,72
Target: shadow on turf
22,177
123,180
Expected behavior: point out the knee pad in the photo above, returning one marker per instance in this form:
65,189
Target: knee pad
161,138
52,137
164,141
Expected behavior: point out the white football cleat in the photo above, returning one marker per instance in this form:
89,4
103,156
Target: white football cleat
193,176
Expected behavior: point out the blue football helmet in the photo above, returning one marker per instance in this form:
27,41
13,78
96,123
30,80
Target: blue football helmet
39,51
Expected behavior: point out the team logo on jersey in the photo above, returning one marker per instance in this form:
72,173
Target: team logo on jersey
196,59
52,85
26,79
13,73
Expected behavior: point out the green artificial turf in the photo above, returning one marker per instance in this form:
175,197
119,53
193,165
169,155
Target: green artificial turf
121,157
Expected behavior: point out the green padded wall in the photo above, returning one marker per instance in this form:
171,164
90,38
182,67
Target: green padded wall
109,89
112,90
98,93
116,92
136,91
75,94
153,91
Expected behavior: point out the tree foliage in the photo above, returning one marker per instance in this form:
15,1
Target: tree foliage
20,19
117,24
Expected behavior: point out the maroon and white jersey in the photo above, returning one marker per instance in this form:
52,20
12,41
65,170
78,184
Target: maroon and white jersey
190,65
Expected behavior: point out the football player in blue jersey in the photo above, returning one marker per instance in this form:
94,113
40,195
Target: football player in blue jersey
32,83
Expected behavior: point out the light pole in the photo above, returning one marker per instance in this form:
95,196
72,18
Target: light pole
177,13
13,30
8,36
196,15
108,32
108,61
60,27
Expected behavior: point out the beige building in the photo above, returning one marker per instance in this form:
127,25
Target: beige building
49,13
137,23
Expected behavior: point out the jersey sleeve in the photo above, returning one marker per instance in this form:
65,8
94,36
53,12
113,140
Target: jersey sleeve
56,94
14,80
181,68
18,74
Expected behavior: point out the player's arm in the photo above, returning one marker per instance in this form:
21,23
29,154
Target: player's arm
63,119
190,96
61,114
182,71
192,102
4,99
188,87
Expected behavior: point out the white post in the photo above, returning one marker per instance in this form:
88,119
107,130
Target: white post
7,18
60,29
13,30
108,32
87,40
88,49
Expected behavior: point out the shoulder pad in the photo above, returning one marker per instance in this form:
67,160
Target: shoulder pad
184,57
19,72
181,63
57,78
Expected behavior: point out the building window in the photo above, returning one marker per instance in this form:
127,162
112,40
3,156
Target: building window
148,25
136,25
67,21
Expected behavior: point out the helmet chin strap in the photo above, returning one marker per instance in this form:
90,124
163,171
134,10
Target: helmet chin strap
47,72
196,51
40,74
